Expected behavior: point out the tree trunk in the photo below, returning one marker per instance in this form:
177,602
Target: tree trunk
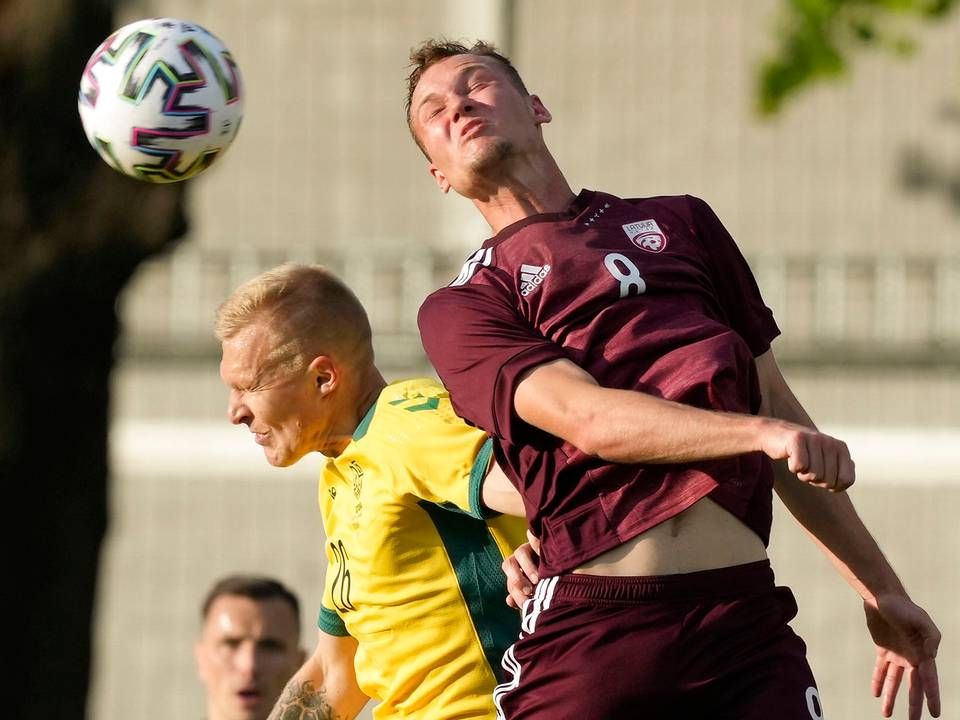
72,232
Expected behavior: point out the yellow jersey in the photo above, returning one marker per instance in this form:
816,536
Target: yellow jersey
413,563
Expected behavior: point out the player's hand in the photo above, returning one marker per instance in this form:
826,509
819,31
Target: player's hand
521,571
814,457
907,642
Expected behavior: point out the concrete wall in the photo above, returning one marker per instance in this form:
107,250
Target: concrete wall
182,518
648,97
654,98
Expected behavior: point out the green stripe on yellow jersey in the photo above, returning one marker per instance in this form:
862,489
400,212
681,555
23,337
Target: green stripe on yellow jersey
413,565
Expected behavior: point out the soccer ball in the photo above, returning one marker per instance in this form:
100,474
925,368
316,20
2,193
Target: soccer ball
161,99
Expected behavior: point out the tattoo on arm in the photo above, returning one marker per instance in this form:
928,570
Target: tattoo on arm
301,701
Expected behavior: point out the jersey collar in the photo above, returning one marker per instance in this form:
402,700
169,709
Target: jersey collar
578,205
365,422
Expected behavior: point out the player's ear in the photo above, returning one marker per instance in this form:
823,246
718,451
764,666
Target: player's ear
440,178
540,113
325,374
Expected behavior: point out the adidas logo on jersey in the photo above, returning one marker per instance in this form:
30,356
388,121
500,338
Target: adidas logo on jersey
531,276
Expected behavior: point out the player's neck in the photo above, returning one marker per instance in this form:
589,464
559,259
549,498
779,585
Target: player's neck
523,190
367,390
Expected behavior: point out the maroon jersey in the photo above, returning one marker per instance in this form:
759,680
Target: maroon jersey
650,295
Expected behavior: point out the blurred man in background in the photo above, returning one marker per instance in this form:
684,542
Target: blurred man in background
249,646
412,612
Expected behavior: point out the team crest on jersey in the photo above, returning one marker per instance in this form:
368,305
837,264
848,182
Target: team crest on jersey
646,235
357,473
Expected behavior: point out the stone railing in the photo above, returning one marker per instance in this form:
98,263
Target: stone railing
834,310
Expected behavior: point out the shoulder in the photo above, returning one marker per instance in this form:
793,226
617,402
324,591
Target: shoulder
409,396
457,303
693,212
686,207
408,408
483,268
401,389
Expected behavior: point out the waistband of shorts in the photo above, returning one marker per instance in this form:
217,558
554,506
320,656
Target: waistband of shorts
733,580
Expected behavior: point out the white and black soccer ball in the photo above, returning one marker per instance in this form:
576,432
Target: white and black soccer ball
161,99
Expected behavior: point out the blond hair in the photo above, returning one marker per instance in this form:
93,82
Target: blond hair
309,311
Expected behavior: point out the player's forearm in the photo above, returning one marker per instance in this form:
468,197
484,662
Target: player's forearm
315,694
301,699
833,523
626,426
507,502
829,518
632,427
499,494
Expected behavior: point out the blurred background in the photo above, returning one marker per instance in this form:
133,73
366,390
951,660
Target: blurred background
844,195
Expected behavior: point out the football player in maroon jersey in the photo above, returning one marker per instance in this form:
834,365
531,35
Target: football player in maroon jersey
618,350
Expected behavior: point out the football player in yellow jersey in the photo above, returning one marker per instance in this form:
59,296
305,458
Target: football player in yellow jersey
413,611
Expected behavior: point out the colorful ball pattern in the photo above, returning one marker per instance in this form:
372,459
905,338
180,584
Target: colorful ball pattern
161,99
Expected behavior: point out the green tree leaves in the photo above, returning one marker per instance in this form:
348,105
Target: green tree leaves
817,37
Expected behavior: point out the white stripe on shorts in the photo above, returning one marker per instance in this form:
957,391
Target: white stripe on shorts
542,597
512,667
541,601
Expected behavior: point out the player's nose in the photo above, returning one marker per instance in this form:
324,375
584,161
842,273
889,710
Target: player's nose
462,107
237,412
245,659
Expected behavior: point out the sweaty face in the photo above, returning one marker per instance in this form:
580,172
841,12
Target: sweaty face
472,120
281,407
247,651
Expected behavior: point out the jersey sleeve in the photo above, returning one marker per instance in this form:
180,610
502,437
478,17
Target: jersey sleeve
331,623
733,280
329,620
481,349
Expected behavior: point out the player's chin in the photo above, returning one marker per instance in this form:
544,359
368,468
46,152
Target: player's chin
281,457
485,153
276,457
250,706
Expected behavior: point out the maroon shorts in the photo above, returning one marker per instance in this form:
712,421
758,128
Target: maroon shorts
712,644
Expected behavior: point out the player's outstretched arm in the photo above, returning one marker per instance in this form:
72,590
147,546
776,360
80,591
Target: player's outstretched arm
626,426
325,687
905,637
499,494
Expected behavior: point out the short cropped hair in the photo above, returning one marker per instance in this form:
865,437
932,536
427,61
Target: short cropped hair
255,587
308,308
433,51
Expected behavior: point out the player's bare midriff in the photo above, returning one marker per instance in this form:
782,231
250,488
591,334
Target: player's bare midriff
702,537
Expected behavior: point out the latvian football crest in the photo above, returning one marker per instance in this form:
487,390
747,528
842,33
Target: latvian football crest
646,235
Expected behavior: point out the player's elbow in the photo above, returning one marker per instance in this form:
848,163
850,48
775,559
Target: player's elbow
586,433
579,420
562,400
